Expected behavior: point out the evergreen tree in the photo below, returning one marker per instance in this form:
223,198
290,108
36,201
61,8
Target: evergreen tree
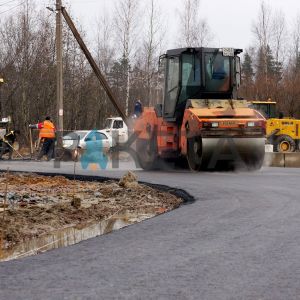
297,64
270,63
267,67
118,79
260,65
247,69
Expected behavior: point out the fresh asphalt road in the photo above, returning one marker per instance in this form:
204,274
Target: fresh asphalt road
240,239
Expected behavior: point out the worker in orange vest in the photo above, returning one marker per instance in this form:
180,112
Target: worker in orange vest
47,137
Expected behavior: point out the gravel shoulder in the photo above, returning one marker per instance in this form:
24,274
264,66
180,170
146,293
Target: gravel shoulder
32,205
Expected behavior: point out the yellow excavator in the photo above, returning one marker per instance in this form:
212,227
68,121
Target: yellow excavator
282,132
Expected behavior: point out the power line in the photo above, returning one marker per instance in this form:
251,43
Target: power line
20,4
7,2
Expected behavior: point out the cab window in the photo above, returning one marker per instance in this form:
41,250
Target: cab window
217,72
267,109
172,85
118,124
191,80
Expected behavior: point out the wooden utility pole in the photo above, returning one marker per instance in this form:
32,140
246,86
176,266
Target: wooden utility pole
59,73
93,64
1,83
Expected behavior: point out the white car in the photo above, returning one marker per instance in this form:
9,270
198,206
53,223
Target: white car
76,142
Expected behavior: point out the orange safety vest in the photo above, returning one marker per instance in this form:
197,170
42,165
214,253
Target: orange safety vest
47,130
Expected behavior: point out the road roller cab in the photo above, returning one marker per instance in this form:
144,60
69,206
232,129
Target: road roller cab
200,118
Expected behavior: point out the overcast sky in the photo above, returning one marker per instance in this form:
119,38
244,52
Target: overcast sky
229,20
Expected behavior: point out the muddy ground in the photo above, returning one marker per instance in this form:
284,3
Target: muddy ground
32,205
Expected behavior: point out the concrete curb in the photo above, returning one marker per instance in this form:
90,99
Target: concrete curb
283,160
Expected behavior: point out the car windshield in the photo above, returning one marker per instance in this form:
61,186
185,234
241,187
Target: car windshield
108,123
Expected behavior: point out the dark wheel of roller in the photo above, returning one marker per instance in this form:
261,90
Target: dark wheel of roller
194,153
147,153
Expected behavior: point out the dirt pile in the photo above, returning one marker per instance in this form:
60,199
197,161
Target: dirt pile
39,204
129,181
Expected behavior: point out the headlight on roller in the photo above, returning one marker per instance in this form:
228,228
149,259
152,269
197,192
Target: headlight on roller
214,124
251,124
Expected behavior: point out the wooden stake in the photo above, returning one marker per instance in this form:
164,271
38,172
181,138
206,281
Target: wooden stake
5,193
31,145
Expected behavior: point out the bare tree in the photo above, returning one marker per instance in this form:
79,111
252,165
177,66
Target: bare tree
27,64
295,47
152,45
105,53
279,34
291,82
195,31
104,37
126,27
262,30
204,34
